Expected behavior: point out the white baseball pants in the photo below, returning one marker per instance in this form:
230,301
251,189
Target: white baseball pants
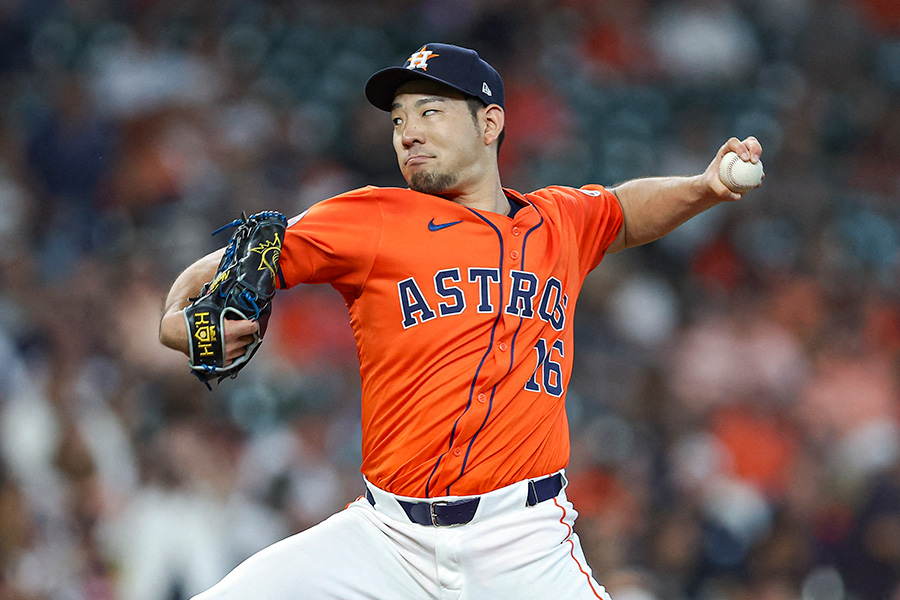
509,551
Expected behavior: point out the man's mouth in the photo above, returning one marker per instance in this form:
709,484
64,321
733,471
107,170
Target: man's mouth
417,159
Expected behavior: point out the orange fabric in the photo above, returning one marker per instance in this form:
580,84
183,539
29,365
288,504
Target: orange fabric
450,322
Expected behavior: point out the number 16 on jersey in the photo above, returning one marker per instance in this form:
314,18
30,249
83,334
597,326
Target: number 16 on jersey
548,372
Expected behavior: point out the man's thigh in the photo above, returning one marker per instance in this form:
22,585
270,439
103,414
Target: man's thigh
352,555
532,554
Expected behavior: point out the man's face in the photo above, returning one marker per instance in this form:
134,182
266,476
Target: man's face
439,144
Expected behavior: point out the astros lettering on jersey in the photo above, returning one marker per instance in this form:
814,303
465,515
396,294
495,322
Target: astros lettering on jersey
468,325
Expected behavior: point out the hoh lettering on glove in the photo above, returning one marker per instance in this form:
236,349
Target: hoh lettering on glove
241,290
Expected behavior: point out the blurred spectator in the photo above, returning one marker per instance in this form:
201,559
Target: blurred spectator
707,43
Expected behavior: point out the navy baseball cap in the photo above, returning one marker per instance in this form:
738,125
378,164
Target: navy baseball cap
460,68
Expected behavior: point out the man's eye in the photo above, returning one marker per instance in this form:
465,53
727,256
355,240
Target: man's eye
429,111
396,121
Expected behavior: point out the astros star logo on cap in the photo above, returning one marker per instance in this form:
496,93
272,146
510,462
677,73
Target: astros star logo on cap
419,60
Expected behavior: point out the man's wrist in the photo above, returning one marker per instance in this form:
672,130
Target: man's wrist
173,331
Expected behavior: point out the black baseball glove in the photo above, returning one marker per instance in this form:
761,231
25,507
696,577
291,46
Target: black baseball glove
243,288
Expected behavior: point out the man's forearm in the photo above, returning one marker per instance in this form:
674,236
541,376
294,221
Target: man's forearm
655,206
172,330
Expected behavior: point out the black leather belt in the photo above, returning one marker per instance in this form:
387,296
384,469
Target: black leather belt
444,513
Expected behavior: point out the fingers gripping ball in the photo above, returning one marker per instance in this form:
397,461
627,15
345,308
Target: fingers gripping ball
242,288
738,175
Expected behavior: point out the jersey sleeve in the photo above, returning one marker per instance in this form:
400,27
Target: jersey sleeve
335,241
596,216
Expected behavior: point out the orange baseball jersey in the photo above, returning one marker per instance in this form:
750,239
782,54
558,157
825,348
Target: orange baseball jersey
463,326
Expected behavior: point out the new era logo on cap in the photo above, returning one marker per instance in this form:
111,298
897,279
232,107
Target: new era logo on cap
459,68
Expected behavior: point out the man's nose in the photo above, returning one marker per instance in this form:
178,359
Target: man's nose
411,134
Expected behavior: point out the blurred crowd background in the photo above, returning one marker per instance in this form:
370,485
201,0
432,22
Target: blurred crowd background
735,406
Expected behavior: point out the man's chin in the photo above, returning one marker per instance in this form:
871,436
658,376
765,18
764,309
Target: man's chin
431,183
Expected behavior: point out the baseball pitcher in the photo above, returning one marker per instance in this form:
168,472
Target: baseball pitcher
461,295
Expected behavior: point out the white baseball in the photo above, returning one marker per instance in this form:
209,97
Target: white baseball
739,175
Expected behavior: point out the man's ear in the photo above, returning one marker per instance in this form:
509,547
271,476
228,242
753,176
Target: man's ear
494,122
